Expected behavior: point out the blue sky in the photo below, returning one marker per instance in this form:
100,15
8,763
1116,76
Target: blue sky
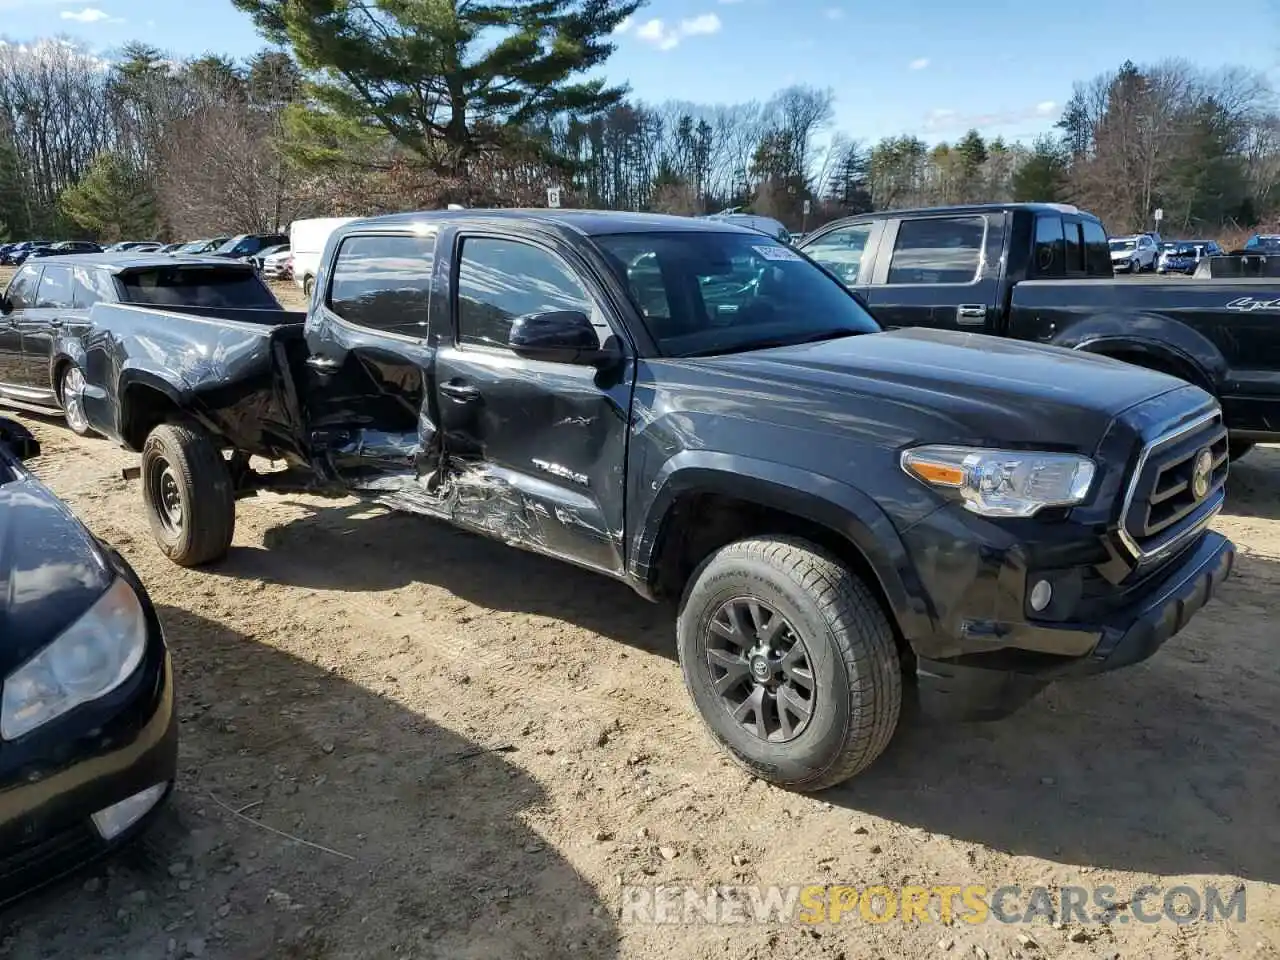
927,67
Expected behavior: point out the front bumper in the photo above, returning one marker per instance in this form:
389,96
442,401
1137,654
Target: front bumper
1021,658
48,800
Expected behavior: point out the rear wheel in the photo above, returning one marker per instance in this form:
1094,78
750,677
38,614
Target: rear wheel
187,489
308,284
790,661
71,391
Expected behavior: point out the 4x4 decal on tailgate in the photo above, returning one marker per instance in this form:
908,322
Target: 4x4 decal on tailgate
1250,305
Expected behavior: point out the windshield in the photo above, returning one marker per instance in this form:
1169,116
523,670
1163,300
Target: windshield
197,287
703,293
1120,246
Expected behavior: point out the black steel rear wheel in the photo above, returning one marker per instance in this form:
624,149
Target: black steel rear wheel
188,492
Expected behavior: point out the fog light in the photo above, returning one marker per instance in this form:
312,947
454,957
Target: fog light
1041,594
114,820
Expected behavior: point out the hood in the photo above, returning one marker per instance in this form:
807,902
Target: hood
51,569
952,387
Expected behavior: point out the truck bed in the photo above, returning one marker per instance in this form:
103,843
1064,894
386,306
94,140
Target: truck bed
1221,334
227,367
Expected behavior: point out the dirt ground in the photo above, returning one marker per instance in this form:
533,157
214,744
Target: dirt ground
489,744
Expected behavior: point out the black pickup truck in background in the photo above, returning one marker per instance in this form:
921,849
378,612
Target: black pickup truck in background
1042,272
45,316
696,410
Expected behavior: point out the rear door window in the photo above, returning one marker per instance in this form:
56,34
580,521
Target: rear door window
55,288
1050,247
384,283
937,250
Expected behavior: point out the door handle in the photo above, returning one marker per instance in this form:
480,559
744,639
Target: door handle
971,314
323,364
462,392
55,324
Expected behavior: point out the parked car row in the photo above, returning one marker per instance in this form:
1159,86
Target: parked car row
850,495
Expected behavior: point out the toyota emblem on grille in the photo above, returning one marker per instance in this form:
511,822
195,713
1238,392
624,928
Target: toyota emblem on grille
1201,471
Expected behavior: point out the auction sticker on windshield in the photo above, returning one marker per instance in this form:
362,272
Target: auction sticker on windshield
776,253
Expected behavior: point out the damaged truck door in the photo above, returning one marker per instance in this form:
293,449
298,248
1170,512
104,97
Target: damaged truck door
499,402
534,389
363,383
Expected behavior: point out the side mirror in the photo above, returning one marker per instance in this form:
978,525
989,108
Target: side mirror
560,336
18,439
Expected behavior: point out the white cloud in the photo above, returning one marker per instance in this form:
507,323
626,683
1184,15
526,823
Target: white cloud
834,13
705,24
919,64
90,15
624,25
87,15
942,120
657,33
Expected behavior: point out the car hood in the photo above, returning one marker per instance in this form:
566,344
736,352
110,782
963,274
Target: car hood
51,569
950,387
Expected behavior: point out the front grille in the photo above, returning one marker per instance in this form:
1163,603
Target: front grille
1165,502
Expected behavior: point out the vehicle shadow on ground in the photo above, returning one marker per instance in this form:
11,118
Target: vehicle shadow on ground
1168,767
330,549
1253,486
441,863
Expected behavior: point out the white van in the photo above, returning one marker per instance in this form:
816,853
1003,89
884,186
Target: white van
306,241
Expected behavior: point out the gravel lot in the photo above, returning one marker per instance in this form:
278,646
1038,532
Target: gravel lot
488,743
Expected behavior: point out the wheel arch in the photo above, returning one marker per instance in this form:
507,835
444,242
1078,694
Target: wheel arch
702,501
1151,340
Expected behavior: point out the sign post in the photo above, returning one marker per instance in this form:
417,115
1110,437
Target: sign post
804,224
553,196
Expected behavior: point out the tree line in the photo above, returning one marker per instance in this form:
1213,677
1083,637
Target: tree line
356,109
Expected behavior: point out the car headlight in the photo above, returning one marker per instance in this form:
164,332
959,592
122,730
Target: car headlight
1003,483
88,660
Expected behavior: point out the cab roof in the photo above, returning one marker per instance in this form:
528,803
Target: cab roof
584,222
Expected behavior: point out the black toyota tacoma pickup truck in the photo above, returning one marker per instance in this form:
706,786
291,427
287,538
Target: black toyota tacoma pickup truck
1042,272
697,410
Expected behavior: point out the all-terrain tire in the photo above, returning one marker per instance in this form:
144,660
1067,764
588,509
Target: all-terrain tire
182,463
853,657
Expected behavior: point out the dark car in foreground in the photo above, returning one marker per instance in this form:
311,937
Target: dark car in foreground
44,315
843,516
1042,272
88,731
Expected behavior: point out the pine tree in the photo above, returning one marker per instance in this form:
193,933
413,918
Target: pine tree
430,73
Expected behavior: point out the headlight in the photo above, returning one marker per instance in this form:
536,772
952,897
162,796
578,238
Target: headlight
1003,483
88,660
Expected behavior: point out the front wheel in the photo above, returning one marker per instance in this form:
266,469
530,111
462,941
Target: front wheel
187,489
71,391
790,661
308,285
